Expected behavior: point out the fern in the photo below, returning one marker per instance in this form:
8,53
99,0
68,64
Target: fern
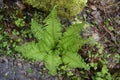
53,46
73,60
71,39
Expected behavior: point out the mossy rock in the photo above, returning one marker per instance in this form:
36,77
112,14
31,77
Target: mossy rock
65,8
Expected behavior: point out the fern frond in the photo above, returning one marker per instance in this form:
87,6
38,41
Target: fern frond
74,29
36,29
52,61
71,39
73,60
52,31
46,43
31,51
53,25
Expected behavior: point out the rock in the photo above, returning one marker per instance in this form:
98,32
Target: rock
65,8
93,7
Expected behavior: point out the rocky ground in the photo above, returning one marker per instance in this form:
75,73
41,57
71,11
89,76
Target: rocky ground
19,69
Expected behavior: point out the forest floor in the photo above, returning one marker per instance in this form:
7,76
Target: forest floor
104,19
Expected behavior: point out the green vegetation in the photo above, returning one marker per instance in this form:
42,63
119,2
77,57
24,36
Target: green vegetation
20,22
53,46
103,75
66,8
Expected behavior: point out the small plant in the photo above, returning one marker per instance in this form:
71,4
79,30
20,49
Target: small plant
103,75
5,42
20,22
117,58
53,46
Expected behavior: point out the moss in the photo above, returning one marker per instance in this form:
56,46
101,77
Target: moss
66,8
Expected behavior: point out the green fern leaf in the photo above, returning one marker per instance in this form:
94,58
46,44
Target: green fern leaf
45,40
73,60
52,61
53,25
74,29
31,51
36,29
71,39
52,31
